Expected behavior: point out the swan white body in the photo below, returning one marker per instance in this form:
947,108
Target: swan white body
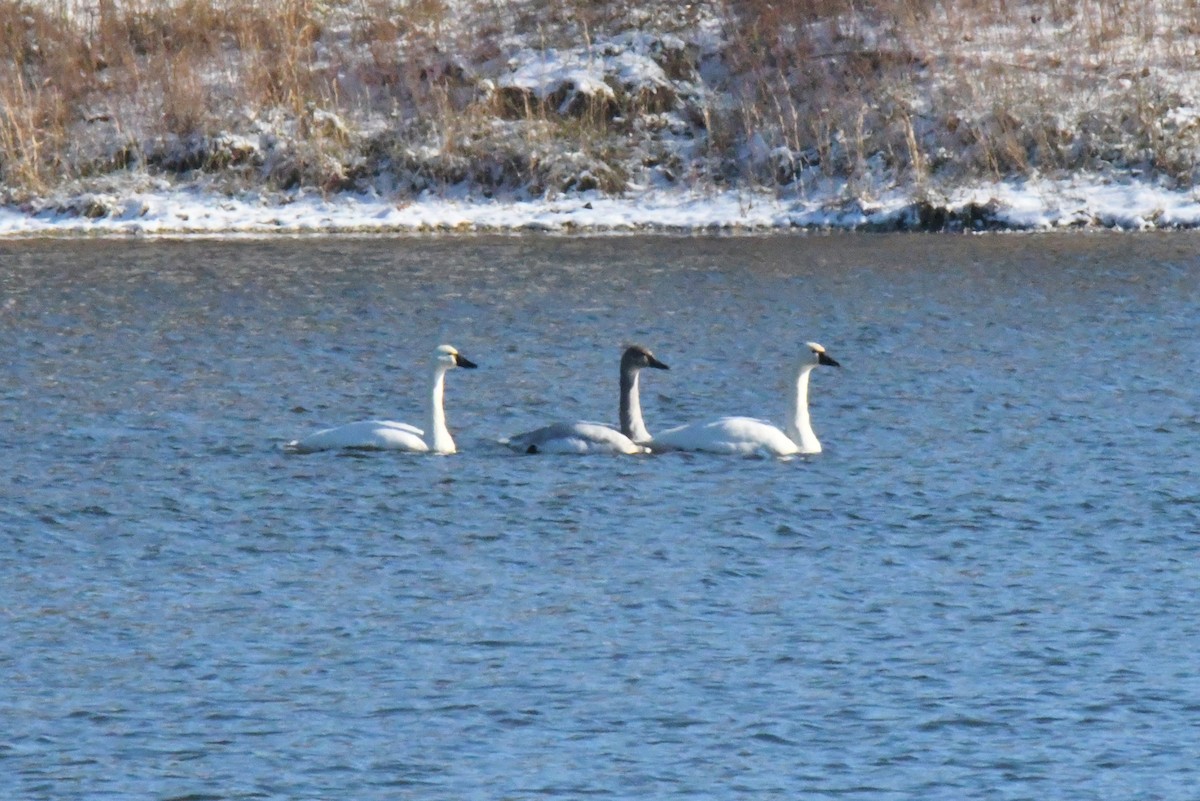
736,436
746,436
377,435
578,437
389,435
584,437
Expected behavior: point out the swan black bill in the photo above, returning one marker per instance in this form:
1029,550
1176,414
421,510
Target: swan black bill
653,362
825,360
463,361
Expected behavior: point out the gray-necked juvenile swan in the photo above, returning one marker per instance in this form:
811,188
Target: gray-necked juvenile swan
596,437
746,436
387,435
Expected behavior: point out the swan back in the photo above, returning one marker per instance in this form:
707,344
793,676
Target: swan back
734,436
376,435
579,438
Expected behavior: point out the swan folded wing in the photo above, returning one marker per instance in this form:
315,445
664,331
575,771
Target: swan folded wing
580,437
364,435
738,436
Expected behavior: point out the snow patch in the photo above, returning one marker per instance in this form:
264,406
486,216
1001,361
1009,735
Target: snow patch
1014,205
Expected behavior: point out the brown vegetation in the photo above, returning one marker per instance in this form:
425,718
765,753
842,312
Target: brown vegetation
337,93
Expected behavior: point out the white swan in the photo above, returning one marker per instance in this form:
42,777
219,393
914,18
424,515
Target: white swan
746,436
597,437
387,435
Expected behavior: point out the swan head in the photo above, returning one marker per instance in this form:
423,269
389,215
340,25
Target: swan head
447,356
636,357
819,356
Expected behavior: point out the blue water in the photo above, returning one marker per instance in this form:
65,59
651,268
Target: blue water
985,587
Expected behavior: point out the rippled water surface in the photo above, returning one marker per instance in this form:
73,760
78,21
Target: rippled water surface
986,587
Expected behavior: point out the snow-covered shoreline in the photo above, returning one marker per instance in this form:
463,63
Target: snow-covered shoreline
1080,204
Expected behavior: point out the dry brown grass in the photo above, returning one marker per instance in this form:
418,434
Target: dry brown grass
183,69
899,91
965,88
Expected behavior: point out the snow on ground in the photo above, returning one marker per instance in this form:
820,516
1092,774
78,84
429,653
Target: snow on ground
1025,205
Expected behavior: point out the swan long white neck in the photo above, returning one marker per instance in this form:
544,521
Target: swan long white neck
799,426
437,436
632,425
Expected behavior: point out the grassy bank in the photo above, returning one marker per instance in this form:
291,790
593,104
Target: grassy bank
403,97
